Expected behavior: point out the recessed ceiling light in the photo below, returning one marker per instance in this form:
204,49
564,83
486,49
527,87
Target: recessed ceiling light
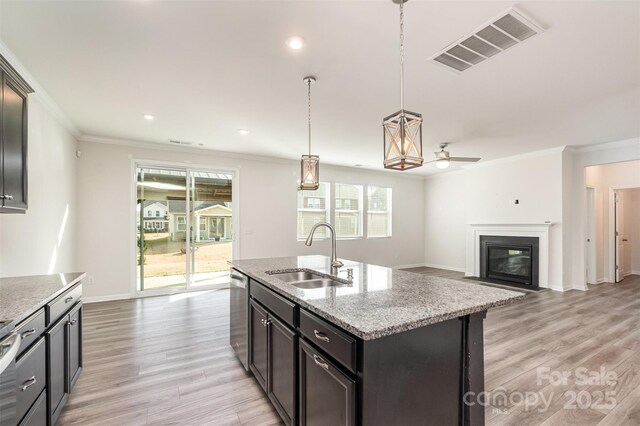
149,117
243,132
295,42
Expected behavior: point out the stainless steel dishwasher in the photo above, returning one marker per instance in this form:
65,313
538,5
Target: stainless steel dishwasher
238,316
8,388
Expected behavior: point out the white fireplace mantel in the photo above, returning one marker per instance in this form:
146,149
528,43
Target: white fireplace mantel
540,230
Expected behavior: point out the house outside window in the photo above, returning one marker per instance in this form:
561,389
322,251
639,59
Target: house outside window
348,214
313,207
378,212
157,213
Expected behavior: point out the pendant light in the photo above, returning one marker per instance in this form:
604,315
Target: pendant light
309,164
402,130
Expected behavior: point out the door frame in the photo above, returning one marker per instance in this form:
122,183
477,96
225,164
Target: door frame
235,216
611,267
590,237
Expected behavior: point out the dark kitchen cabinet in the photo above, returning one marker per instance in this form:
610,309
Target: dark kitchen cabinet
282,369
327,395
258,343
57,368
75,345
64,343
273,359
13,140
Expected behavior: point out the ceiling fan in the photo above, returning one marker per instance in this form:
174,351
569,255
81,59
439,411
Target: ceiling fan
443,158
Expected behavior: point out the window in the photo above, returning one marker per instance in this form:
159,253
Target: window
181,223
378,212
313,207
157,213
348,210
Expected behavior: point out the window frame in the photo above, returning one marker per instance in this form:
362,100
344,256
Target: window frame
327,210
178,223
388,212
361,211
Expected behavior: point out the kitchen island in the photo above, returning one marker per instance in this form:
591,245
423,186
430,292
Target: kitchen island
391,347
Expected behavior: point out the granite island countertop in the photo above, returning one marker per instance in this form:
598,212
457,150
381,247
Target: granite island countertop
21,296
381,301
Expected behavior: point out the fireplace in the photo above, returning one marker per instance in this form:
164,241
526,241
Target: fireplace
510,260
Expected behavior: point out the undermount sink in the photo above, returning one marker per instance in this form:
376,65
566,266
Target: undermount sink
306,279
289,277
317,283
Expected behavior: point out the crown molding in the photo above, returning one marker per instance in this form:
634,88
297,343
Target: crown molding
605,146
512,158
39,93
232,155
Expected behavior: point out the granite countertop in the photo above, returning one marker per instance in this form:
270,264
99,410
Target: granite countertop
381,301
21,296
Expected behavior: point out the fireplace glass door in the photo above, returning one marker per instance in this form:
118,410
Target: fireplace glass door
510,263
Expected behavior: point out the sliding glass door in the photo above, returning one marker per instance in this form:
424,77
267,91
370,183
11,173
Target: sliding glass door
212,237
184,228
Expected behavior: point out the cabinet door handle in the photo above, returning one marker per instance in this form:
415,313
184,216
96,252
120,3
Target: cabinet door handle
68,299
321,336
28,383
319,361
72,322
7,197
28,333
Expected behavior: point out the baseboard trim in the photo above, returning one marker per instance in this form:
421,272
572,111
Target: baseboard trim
412,265
448,268
108,298
556,288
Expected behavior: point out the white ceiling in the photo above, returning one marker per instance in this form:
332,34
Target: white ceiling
208,68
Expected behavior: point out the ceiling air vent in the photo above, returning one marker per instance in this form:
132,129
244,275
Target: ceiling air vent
502,32
173,141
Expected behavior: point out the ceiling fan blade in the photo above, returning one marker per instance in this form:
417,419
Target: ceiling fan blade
465,159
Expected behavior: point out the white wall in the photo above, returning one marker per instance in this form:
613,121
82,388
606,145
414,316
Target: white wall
484,194
267,209
42,241
604,178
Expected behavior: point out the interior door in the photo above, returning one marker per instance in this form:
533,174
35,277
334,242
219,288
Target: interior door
619,243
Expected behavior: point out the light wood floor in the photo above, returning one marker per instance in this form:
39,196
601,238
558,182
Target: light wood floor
166,360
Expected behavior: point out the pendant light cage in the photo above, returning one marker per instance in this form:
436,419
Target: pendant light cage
309,164
402,131
310,172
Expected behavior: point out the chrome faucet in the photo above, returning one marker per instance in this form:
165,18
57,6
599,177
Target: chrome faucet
335,263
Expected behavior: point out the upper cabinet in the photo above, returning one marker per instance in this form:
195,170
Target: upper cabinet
13,139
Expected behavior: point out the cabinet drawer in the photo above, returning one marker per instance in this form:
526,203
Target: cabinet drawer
336,343
37,416
31,329
30,377
280,306
63,303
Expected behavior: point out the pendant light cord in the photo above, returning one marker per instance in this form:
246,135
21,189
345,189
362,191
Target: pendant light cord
402,54
309,111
